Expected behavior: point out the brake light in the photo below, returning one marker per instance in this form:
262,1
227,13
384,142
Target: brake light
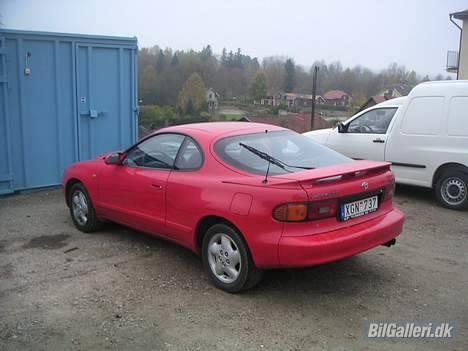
322,209
292,212
298,212
389,190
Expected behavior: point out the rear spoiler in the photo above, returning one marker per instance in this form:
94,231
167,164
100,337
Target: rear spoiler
319,175
332,173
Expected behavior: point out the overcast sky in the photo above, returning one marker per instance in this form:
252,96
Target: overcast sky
415,33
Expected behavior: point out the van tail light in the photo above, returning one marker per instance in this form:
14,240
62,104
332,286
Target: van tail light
299,212
389,191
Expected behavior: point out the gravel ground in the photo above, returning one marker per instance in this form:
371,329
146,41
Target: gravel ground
61,289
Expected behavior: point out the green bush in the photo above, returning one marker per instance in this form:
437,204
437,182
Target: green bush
155,117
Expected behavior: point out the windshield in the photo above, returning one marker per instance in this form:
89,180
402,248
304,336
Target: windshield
287,146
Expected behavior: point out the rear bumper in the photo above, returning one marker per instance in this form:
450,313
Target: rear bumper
310,250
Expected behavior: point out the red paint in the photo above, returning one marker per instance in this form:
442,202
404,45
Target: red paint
171,203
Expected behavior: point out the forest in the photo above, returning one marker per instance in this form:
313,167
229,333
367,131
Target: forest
162,72
173,83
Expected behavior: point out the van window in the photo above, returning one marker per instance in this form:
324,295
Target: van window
458,116
424,116
373,122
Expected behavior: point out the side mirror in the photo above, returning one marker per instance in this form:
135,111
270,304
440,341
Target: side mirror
341,127
114,159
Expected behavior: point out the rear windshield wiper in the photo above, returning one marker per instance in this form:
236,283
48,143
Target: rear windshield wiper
264,156
271,160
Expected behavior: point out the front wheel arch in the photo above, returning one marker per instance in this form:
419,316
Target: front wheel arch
68,186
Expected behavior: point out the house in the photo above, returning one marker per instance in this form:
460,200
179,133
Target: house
212,99
337,98
459,62
373,100
301,100
291,100
271,100
395,90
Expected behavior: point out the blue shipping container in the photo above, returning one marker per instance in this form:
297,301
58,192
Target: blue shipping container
63,98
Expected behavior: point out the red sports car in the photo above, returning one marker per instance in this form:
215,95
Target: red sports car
245,196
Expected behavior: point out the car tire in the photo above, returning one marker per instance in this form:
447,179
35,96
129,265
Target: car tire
82,210
227,259
452,190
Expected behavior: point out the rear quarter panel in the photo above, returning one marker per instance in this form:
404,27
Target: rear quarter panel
192,196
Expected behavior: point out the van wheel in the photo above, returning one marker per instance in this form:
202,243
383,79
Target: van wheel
452,190
227,259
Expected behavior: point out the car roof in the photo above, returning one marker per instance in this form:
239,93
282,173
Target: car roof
214,130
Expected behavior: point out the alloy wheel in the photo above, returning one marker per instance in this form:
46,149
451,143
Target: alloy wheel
224,258
80,207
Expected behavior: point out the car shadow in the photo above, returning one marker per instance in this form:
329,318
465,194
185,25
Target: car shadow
405,193
352,276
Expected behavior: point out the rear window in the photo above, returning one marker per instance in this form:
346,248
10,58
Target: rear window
287,146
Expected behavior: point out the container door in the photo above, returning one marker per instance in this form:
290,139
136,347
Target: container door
106,96
6,176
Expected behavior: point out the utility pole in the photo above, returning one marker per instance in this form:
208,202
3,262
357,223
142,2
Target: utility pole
314,94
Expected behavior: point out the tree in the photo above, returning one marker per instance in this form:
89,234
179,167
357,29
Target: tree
192,97
161,62
290,81
275,74
175,60
206,53
258,87
148,85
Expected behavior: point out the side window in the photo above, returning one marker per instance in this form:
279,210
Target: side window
158,151
372,122
424,116
190,156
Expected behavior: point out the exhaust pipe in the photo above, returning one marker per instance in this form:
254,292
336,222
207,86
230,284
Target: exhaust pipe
390,243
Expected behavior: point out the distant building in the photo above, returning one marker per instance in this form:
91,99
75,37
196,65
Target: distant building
337,98
373,100
212,99
395,90
271,100
291,100
458,62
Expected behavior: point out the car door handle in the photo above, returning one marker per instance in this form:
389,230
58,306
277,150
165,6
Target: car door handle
378,140
157,186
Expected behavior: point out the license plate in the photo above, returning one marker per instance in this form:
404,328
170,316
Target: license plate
359,208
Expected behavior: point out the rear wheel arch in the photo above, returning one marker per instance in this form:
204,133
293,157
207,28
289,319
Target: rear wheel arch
442,169
207,222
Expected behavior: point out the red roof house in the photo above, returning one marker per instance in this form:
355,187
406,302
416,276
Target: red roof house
337,98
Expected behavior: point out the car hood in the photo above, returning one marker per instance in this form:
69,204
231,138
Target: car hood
320,135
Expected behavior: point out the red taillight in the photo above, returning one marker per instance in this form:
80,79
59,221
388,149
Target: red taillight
389,190
298,212
292,212
322,209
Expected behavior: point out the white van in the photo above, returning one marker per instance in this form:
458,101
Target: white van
423,135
